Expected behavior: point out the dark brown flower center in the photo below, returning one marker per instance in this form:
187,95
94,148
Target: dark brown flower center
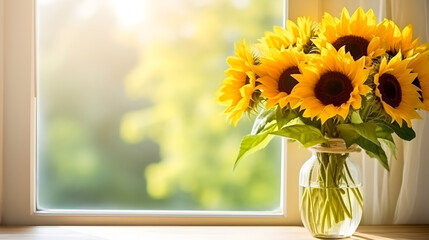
390,90
355,45
333,88
416,83
247,80
286,81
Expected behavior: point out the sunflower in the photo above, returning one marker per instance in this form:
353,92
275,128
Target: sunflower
276,79
394,87
355,33
238,87
420,64
332,87
395,40
296,35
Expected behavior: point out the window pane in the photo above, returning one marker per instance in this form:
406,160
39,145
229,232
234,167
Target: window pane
127,116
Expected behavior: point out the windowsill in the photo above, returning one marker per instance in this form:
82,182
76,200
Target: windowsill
197,233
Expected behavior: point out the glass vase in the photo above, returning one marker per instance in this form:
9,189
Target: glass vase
330,191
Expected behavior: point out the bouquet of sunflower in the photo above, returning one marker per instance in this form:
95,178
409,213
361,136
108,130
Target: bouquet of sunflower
346,77
349,78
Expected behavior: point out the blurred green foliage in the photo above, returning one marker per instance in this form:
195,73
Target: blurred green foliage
127,117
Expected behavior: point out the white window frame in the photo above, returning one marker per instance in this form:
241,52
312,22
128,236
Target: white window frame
17,134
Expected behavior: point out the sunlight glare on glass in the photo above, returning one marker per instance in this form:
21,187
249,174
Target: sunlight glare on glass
86,9
240,4
129,12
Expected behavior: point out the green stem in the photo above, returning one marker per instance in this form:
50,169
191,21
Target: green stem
357,194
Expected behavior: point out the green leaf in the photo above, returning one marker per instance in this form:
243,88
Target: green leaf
384,132
261,121
365,135
390,145
352,131
295,121
349,136
403,132
355,117
374,151
252,143
283,117
307,135
255,142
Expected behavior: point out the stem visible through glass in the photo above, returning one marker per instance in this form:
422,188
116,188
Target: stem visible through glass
329,201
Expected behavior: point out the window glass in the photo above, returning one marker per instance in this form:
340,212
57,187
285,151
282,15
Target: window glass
127,112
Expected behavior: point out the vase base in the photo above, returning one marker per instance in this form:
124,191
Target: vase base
320,236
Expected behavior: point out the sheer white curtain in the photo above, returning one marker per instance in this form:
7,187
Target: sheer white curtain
400,196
